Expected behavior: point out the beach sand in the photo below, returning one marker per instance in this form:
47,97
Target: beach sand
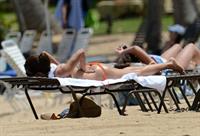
110,123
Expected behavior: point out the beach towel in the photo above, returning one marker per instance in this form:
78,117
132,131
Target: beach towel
155,82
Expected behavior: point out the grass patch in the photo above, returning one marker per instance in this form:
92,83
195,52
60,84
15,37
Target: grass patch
166,21
9,20
129,25
120,26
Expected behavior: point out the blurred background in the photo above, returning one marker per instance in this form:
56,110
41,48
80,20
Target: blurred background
147,19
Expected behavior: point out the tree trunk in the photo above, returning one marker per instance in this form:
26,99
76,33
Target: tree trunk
184,12
139,37
153,25
31,15
196,5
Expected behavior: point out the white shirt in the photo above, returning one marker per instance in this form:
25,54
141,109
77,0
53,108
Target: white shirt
52,70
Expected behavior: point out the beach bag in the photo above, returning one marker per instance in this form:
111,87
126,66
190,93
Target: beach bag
88,108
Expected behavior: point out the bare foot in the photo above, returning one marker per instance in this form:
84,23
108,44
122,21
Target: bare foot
152,62
175,66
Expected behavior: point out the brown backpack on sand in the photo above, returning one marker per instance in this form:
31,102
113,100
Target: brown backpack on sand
88,108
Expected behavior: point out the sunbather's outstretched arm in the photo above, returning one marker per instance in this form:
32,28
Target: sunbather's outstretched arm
137,52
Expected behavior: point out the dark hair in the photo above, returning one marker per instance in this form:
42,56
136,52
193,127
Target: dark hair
178,38
37,65
124,60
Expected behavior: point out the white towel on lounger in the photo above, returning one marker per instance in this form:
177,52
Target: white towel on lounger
155,82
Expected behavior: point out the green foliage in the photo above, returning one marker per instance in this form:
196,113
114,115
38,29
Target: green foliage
8,22
5,6
129,25
166,21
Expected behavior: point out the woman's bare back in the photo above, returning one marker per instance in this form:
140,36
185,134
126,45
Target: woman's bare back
102,72
95,73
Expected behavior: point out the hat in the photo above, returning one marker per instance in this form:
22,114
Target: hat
179,29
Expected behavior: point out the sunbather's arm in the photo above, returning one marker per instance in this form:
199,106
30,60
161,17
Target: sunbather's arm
68,68
140,54
52,59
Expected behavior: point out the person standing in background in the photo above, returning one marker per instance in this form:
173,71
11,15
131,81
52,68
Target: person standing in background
176,33
73,13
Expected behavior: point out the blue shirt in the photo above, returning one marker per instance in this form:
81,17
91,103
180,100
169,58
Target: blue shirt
75,17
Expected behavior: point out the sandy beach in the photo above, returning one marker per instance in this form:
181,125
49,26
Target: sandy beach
110,123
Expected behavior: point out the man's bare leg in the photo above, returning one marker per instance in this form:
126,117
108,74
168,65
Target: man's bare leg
188,54
172,52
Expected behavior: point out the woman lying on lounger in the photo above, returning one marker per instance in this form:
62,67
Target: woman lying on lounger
47,66
188,57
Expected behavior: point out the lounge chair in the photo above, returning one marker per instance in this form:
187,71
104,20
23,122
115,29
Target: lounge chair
16,60
15,36
173,81
14,57
82,39
141,87
196,103
65,46
106,87
45,43
178,81
91,87
27,40
72,41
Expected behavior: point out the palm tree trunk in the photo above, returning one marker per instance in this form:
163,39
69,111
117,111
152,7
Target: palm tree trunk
153,25
184,12
31,15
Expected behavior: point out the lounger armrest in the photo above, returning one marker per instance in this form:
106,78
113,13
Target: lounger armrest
31,81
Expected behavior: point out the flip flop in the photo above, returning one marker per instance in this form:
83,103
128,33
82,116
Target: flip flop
49,116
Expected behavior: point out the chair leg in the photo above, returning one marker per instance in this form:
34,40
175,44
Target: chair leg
125,102
153,101
116,103
112,95
31,104
147,101
175,95
196,102
192,87
162,103
77,102
162,100
173,98
142,106
184,96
